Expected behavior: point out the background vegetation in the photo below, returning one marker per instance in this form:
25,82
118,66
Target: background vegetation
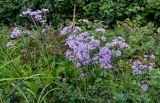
141,11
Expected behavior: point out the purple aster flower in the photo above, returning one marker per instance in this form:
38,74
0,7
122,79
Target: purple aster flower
33,13
15,33
77,29
120,42
28,11
149,56
143,66
85,34
108,45
95,59
144,86
80,38
78,65
65,30
137,68
94,44
137,72
69,55
105,56
80,47
37,15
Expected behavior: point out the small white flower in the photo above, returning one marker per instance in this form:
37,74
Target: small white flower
100,30
152,56
45,10
9,44
103,38
83,20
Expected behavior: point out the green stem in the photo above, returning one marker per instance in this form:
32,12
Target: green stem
27,51
42,40
34,22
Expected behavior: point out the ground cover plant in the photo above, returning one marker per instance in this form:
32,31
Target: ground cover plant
81,62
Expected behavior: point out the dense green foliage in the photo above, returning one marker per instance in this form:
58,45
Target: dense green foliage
42,76
34,69
110,11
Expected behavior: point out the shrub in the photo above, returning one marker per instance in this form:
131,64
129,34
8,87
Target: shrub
141,11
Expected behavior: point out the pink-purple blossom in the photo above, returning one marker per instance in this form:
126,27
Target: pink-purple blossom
119,42
144,86
37,15
149,56
103,57
28,11
65,30
77,29
81,47
138,66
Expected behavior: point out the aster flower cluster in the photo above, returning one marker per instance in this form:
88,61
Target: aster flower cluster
117,45
103,57
15,33
65,30
36,14
80,47
81,44
138,67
